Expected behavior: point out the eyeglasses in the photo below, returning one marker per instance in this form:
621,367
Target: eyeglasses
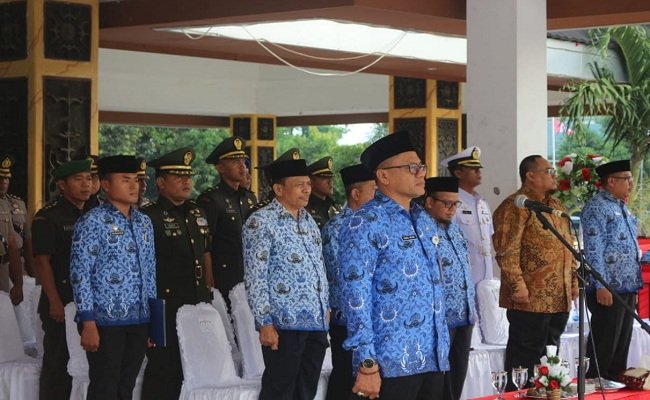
448,203
630,179
414,169
547,171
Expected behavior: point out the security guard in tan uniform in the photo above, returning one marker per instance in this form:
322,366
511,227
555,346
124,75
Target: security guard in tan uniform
183,266
226,206
321,205
14,222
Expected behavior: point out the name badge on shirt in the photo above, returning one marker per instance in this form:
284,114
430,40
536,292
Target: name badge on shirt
467,212
68,228
115,230
409,237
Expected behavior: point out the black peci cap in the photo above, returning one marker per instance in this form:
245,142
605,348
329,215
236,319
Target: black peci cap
386,147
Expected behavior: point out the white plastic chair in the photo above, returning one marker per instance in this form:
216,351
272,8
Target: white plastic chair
493,320
220,305
23,315
247,336
35,296
18,373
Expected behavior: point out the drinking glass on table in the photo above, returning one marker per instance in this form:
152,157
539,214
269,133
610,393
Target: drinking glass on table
585,365
519,378
499,381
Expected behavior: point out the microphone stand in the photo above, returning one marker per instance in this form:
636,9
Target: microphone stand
581,273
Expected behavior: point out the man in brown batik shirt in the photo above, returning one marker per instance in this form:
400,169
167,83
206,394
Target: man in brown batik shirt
537,282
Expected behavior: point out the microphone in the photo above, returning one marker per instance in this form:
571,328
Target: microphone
522,201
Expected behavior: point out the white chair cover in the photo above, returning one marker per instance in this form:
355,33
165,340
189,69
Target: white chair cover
493,321
220,305
478,382
18,373
11,342
35,296
23,315
247,336
202,340
639,354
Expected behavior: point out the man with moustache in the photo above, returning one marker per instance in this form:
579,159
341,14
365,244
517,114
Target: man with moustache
226,206
391,281
441,202
183,270
286,286
611,248
321,205
52,238
360,188
113,276
537,281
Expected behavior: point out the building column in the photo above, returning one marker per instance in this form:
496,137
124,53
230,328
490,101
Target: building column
48,89
259,132
506,98
431,111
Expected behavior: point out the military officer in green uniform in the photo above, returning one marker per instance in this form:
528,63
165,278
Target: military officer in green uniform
321,205
94,199
183,267
226,205
143,180
52,234
15,227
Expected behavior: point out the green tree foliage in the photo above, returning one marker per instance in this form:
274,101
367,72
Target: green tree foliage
591,142
150,142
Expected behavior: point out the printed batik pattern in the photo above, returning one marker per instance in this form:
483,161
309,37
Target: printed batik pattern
453,257
391,283
283,270
113,267
610,238
330,235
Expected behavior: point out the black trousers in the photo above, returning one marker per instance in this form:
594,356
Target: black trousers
114,367
529,334
460,339
611,333
426,386
292,372
341,379
55,383
163,375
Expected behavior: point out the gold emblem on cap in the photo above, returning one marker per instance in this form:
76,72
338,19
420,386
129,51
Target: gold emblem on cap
475,153
295,155
6,163
330,163
143,165
187,158
238,144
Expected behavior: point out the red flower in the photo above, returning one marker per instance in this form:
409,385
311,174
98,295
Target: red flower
598,184
553,384
563,161
565,184
586,174
537,384
543,370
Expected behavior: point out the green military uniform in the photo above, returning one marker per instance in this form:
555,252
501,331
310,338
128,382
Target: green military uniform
226,209
52,236
13,219
291,154
322,209
181,237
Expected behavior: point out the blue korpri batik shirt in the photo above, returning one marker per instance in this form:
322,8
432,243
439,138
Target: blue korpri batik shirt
113,267
453,256
394,295
611,247
283,270
330,235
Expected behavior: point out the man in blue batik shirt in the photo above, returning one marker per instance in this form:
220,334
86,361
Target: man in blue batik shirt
360,188
286,285
611,247
113,276
392,283
453,256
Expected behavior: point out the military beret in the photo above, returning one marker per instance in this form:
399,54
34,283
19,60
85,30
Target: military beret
386,147
356,173
470,157
70,168
441,184
287,168
117,164
322,167
5,166
229,148
177,162
613,167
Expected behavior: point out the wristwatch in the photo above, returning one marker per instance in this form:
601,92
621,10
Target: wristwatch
368,363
